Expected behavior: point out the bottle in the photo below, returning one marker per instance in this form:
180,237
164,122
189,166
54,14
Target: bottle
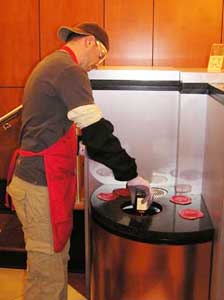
140,205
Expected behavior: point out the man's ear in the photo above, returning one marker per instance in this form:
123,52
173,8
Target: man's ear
89,40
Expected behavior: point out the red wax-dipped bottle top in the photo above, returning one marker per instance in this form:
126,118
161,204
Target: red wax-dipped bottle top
107,196
191,214
123,192
180,199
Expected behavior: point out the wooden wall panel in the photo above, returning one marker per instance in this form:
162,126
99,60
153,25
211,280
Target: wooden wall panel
129,24
184,31
19,50
9,99
222,33
55,13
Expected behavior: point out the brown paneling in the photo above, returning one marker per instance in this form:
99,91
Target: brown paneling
65,12
223,24
129,24
185,31
19,49
9,99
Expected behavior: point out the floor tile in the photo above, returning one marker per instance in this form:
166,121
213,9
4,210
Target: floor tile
74,295
11,285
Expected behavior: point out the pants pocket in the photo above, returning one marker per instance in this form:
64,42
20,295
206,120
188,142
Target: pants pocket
18,195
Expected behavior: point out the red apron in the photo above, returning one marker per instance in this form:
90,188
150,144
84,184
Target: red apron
60,169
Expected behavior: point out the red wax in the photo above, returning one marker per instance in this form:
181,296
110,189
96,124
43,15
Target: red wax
122,192
107,196
191,214
180,199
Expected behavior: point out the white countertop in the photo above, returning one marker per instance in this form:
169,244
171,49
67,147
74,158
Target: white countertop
186,75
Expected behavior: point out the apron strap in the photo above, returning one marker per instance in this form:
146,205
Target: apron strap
71,53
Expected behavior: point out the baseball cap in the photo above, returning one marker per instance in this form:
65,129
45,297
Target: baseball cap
85,29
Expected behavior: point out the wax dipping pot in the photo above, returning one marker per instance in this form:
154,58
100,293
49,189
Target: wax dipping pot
157,255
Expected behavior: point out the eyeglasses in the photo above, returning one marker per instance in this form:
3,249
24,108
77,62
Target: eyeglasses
102,50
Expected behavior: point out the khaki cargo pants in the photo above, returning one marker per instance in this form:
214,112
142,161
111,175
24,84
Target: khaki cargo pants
46,270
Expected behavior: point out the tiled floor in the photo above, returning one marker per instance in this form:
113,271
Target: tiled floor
11,285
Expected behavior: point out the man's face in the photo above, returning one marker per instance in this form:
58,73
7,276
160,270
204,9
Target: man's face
96,54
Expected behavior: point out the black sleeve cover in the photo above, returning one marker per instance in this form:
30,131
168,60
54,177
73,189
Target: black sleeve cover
102,146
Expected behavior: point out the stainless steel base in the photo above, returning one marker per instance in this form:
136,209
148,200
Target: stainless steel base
122,269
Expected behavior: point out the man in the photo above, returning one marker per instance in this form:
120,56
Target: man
58,97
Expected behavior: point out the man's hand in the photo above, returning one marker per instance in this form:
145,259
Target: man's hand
140,183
